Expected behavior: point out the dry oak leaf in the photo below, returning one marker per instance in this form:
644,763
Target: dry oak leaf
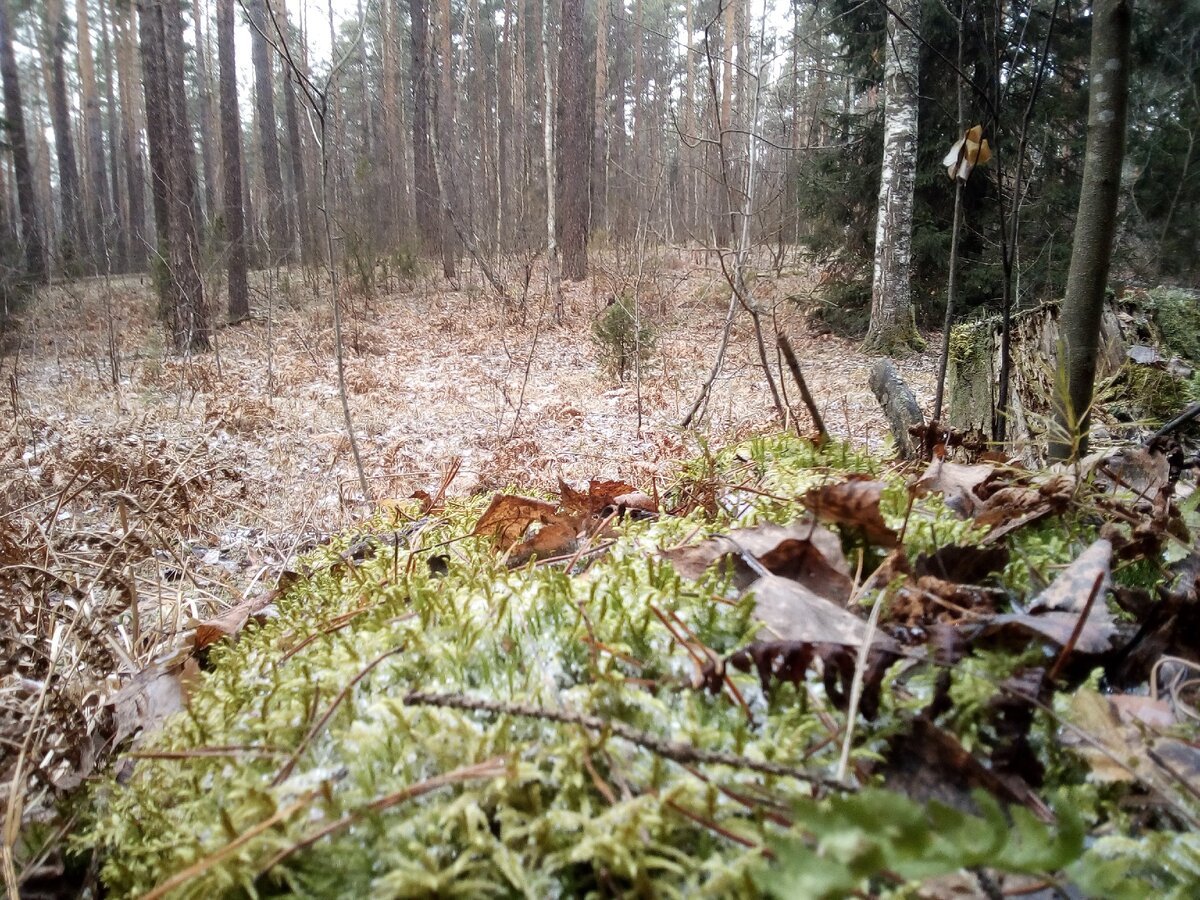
1054,613
1016,506
525,527
802,551
854,502
598,495
509,516
233,620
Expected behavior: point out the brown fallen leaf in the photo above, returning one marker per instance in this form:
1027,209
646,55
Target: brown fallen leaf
957,482
552,539
1054,613
1145,472
153,694
233,620
509,517
854,503
1121,740
1016,506
791,612
803,551
598,495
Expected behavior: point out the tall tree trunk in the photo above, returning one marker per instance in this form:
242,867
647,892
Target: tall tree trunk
31,228
393,176
304,223
428,201
1095,224
96,189
155,92
120,217
893,329
686,153
231,159
173,160
279,232
599,184
572,155
552,270
208,118
71,241
446,134
131,137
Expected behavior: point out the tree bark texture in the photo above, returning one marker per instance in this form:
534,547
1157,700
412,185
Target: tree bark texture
428,201
893,329
572,160
598,217
1095,225
208,118
264,105
31,227
71,240
173,161
96,188
231,158
131,143
899,405
304,223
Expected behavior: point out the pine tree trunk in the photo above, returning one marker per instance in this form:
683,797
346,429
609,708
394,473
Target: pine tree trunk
154,84
599,184
1095,225
208,132
446,135
264,104
173,171
31,228
111,128
552,265
572,156
308,240
71,241
893,329
96,189
231,159
393,176
427,200
131,142
193,319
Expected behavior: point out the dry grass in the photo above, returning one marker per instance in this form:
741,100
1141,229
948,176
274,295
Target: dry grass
133,509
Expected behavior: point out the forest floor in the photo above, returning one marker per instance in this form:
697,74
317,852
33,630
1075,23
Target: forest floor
434,374
187,484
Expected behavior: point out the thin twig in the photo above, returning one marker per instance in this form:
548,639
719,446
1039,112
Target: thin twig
676,751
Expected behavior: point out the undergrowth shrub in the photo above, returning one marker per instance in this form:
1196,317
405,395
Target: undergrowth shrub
623,339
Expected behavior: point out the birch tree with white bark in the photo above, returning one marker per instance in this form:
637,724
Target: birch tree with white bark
893,328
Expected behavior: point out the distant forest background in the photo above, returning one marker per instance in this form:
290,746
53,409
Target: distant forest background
441,126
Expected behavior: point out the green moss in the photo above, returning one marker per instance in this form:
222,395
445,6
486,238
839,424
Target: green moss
1177,315
1154,394
970,342
572,812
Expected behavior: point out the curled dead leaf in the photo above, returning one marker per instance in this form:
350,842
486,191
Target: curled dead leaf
802,551
854,503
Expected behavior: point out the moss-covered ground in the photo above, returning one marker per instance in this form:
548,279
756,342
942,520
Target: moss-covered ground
305,763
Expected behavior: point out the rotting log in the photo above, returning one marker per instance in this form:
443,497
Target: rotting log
899,405
974,365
